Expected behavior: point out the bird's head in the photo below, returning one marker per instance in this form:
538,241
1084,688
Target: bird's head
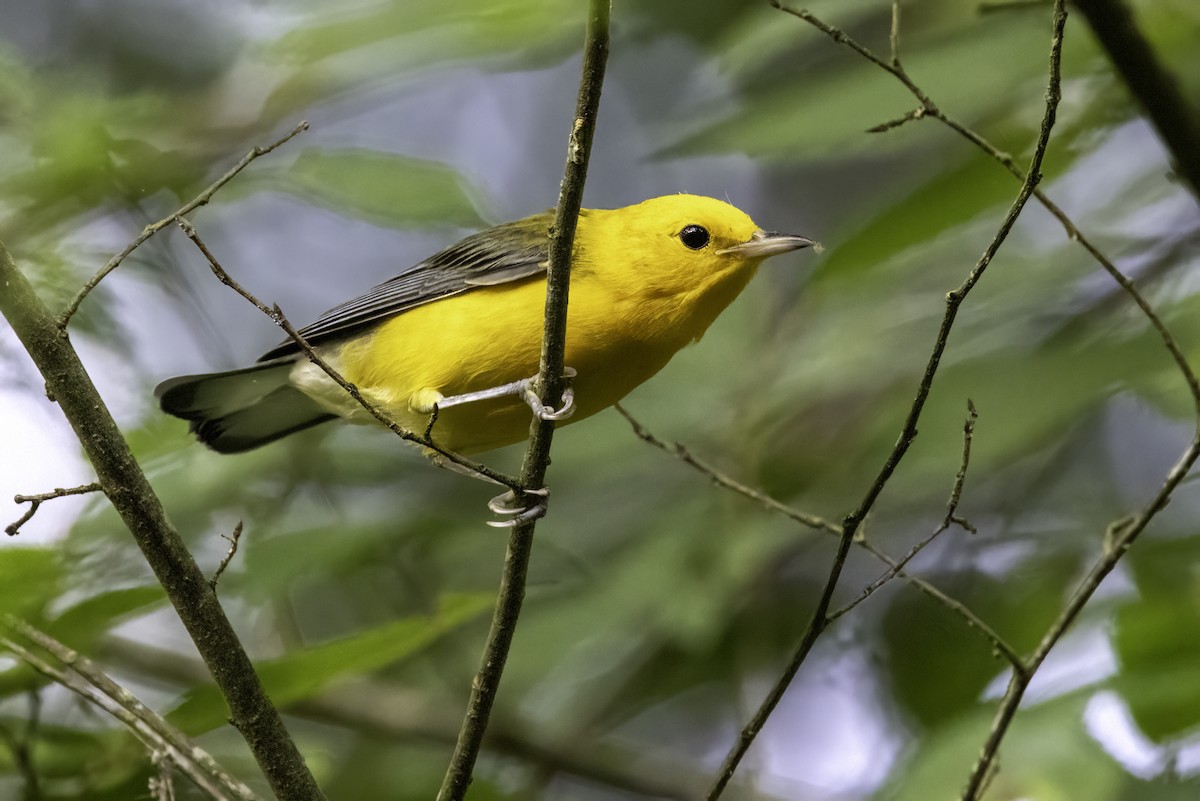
682,242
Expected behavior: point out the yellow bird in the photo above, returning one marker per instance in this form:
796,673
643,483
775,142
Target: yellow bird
460,330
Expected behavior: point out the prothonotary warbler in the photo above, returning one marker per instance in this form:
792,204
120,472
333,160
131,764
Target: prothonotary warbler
462,329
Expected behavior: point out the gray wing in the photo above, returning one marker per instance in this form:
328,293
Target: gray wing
508,252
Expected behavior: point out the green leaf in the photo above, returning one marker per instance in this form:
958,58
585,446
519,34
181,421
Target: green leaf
802,120
436,32
83,623
30,577
306,672
1154,642
382,188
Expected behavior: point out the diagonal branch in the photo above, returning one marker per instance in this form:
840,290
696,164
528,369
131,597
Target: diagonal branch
83,677
122,480
277,317
954,300
812,521
153,228
931,110
1123,533
550,386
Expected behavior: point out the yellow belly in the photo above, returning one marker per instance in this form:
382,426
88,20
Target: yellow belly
489,337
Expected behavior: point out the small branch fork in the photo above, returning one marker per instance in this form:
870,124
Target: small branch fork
233,539
1122,534
123,481
277,316
201,199
36,501
954,300
820,524
84,678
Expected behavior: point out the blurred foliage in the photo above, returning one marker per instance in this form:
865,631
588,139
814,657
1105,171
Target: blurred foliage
659,607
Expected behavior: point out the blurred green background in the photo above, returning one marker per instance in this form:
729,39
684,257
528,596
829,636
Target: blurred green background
660,607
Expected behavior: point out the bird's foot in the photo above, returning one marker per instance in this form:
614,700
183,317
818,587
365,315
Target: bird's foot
530,505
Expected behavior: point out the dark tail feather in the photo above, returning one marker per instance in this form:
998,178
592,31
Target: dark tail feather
242,409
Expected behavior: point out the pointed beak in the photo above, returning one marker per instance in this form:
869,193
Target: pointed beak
763,244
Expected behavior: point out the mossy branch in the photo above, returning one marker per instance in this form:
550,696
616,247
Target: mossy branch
122,480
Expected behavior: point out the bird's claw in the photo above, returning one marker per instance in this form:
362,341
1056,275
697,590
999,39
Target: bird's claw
548,412
531,505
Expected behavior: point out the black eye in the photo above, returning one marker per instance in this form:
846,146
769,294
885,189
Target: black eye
694,236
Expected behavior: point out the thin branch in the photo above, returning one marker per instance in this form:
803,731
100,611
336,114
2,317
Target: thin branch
894,37
123,481
150,230
277,316
999,644
950,519
883,127
1072,231
550,387
35,501
1123,534
722,480
393,712
1154,88
83,677
1125,531
954,300
233,539
680,452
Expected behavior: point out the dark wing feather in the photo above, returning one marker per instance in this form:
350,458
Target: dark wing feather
508,252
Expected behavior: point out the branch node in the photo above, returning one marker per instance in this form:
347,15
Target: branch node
36,501
233,540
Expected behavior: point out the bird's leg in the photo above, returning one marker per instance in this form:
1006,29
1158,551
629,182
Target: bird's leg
522,389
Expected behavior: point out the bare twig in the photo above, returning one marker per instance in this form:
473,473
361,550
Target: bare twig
83,677
954,300
680,452
894,38
883,127
123,481
999,644
1072,231
722,480
233,539
951,518
277,316
1121,536
150,230
550,387
35,501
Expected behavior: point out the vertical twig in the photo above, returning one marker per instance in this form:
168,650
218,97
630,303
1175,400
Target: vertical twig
550,386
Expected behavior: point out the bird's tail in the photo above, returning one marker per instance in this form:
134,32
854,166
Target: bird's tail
242,409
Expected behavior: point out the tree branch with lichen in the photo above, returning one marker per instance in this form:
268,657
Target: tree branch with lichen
123,482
